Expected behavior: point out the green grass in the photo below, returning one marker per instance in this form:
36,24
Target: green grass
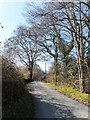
71,92
21,108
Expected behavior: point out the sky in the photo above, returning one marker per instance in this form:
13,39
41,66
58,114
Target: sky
11,17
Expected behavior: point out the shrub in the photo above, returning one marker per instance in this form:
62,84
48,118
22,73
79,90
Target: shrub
12,83
59,78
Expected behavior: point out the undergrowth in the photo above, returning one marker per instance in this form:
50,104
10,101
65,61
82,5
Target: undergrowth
21,108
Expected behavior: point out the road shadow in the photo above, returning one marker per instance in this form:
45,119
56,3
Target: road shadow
44,109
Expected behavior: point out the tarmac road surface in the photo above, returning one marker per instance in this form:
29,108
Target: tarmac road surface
52,104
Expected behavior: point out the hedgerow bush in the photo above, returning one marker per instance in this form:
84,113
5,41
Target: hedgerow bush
12,82
16,100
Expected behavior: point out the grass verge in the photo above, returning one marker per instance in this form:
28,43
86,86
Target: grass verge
21,108
72,93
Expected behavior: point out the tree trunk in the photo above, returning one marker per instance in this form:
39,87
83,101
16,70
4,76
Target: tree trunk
31,70
79,47
80,62
31,75
56,64
65,71
81,55
80,74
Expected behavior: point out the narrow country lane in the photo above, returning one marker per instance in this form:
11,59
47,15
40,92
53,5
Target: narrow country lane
52,104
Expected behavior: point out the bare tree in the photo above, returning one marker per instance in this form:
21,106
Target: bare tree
24,46
77,26
49,32
56,30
